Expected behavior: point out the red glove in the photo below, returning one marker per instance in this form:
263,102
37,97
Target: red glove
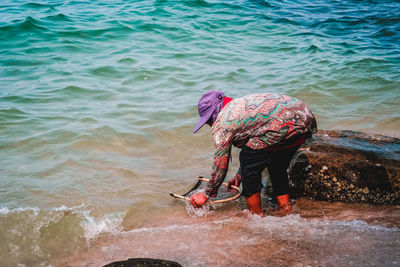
236,180
198,199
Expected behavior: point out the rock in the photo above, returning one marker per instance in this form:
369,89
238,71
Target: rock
144,262
348,166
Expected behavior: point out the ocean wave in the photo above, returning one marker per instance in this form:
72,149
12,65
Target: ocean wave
60,17
295,221
13,113
312,241
107,71
384,33
31,234
23,63
34,5
314,49
367,62
211,5
94,227
286,21
341,22
76,91
7,211
270,225
127,60
105,32
29,24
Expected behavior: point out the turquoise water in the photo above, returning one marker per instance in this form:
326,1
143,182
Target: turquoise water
98,99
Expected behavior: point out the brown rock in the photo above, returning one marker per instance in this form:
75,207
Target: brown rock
337,160
144,262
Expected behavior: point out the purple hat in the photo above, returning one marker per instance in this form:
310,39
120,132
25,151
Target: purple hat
210,104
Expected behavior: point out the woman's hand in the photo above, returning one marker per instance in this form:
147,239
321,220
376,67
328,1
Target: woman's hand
236,180
198,199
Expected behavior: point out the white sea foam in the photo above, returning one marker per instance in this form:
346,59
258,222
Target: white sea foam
291,233
31,229
39,218
65,208
317,227
93,227
36,210
6,210
204,211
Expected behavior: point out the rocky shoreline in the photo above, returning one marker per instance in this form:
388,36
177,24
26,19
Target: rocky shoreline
347,166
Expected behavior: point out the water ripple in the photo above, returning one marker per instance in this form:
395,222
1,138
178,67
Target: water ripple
95,84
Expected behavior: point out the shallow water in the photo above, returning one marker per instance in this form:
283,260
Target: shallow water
98,102
319,234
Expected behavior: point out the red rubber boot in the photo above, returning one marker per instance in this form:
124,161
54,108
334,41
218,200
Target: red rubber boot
284,207
254,204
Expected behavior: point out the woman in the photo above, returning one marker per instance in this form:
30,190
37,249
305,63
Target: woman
269,128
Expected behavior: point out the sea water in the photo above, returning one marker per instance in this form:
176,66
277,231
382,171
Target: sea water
98,103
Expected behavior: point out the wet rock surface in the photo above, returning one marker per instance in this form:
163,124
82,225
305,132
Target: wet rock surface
144,262
347,166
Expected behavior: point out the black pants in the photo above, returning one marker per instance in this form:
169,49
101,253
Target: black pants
253,162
